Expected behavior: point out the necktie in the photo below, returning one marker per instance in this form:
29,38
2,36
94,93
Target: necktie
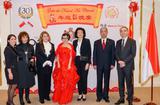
122,44
103,44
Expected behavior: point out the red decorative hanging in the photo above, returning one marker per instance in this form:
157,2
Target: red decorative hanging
133,7
7,5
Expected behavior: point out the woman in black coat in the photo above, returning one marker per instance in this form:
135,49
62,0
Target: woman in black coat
45,55
11,74
26,76
82,47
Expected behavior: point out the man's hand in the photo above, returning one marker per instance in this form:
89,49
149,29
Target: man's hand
122,64
112,67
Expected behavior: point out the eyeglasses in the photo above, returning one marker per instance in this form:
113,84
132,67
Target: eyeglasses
64,38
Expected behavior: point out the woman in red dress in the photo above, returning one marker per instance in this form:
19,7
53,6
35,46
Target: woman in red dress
65,76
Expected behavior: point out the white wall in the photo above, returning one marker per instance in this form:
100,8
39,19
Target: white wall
5,30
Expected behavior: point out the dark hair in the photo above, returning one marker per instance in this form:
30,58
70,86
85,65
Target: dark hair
104,28
80,28
9,37
66,34
23,34
41,36
124,27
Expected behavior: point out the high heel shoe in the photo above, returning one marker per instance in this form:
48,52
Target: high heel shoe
10,103
7,103
84,97
79,98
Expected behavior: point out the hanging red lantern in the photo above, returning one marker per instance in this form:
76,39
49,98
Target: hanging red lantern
133,7
7,5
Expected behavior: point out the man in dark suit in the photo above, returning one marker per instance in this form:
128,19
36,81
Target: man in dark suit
125,53
103,61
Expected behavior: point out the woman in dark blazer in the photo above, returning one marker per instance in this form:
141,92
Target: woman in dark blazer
45,55
26,76
82,47
11,74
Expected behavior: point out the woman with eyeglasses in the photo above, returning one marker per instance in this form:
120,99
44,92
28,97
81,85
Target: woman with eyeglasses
82,48
65,76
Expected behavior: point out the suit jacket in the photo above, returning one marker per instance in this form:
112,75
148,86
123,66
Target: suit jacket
104,57
127,54
42,57
85,49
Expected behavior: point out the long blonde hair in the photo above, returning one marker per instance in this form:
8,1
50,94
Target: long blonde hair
41,36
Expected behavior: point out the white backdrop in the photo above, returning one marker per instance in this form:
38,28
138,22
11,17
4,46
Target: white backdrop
56,30
10,24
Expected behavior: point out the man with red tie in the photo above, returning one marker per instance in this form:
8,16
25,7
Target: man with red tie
103,62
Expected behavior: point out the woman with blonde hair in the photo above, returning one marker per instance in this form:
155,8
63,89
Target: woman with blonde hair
45,54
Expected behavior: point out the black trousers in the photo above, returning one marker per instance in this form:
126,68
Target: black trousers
125,75
44,82
82,83
101,92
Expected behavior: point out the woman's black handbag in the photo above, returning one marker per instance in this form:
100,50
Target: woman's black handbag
32,67
83,58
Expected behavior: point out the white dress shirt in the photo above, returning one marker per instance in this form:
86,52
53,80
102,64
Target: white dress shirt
78,48
125,40
47,48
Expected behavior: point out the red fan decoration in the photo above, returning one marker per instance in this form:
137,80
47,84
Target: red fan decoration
7,5
133,7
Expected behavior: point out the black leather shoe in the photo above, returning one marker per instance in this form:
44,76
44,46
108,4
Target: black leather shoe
130,103
41,101
120,101
98,100
106,100
48,98
28,100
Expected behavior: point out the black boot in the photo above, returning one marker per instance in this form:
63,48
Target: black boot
27,96
28,100
21,96
21,101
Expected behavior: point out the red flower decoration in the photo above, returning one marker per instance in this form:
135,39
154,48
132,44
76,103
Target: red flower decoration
133,7
7,5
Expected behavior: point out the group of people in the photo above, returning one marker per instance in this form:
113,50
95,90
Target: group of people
71,62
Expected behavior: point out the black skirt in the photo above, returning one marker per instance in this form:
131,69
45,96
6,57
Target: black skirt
15,77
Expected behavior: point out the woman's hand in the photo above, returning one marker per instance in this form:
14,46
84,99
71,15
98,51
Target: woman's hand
32,60
87,66
10,76
69,66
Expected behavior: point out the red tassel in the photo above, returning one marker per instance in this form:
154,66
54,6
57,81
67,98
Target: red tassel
22,24
30,24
